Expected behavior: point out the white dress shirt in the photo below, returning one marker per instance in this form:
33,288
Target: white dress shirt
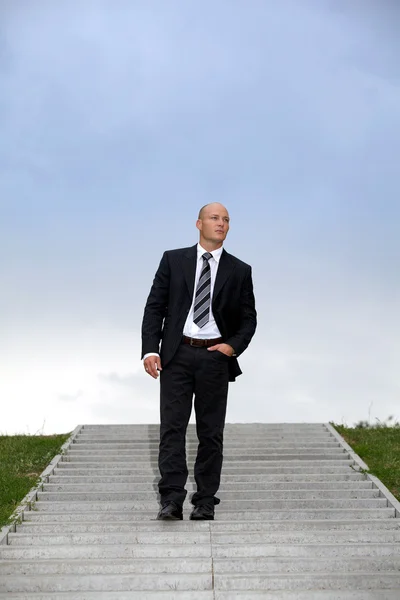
210,330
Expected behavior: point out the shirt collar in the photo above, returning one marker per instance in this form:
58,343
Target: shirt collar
216,254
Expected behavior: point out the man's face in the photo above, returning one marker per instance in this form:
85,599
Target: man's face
214,223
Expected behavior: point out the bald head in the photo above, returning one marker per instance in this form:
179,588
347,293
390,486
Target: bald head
213,224
210,207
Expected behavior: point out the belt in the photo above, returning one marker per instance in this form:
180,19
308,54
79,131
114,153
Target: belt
201,343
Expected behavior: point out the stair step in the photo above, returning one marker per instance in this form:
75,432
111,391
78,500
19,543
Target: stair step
229,446
138,537
259,474
237,505
80,484
78,449
333,565
229,436
44,523
230,463
83,566
186,537
57,513
112,583
132,595
241,427
182,565
104,551
307,537
249,496
372,594
317,549
308,581
303,550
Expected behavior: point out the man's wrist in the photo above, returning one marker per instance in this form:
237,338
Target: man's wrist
150,354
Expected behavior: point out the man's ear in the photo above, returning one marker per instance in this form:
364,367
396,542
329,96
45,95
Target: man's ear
199,224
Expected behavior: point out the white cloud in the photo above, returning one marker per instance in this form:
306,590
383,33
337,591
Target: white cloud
53,377
319,372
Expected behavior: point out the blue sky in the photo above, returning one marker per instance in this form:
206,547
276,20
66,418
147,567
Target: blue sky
120,120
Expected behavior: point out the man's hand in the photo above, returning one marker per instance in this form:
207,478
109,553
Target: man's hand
224,348
152,365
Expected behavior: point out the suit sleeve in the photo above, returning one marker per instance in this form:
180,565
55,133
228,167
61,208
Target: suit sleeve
248,317
155,309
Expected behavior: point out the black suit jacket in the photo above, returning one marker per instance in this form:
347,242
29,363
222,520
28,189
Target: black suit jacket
171,297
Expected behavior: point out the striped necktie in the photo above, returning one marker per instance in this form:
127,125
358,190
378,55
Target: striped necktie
202,298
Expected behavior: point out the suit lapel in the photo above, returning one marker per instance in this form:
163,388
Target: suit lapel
189,268
225,269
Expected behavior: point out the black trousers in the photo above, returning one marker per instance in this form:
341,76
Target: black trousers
204,374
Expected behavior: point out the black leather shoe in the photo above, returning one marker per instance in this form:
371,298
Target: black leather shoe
170,511
203,512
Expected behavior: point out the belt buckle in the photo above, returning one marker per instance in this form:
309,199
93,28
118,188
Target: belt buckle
191,342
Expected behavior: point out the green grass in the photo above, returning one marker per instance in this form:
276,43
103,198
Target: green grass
22,460
379,446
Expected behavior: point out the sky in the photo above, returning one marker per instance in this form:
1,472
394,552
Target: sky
119,120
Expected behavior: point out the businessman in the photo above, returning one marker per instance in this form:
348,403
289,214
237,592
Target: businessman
201,309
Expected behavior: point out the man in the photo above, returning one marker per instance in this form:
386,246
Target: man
201,307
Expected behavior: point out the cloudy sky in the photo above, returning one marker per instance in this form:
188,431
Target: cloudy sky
119,119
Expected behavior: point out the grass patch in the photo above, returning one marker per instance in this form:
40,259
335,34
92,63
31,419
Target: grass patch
379,446
22,460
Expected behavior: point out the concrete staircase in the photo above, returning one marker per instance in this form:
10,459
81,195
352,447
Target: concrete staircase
297,521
